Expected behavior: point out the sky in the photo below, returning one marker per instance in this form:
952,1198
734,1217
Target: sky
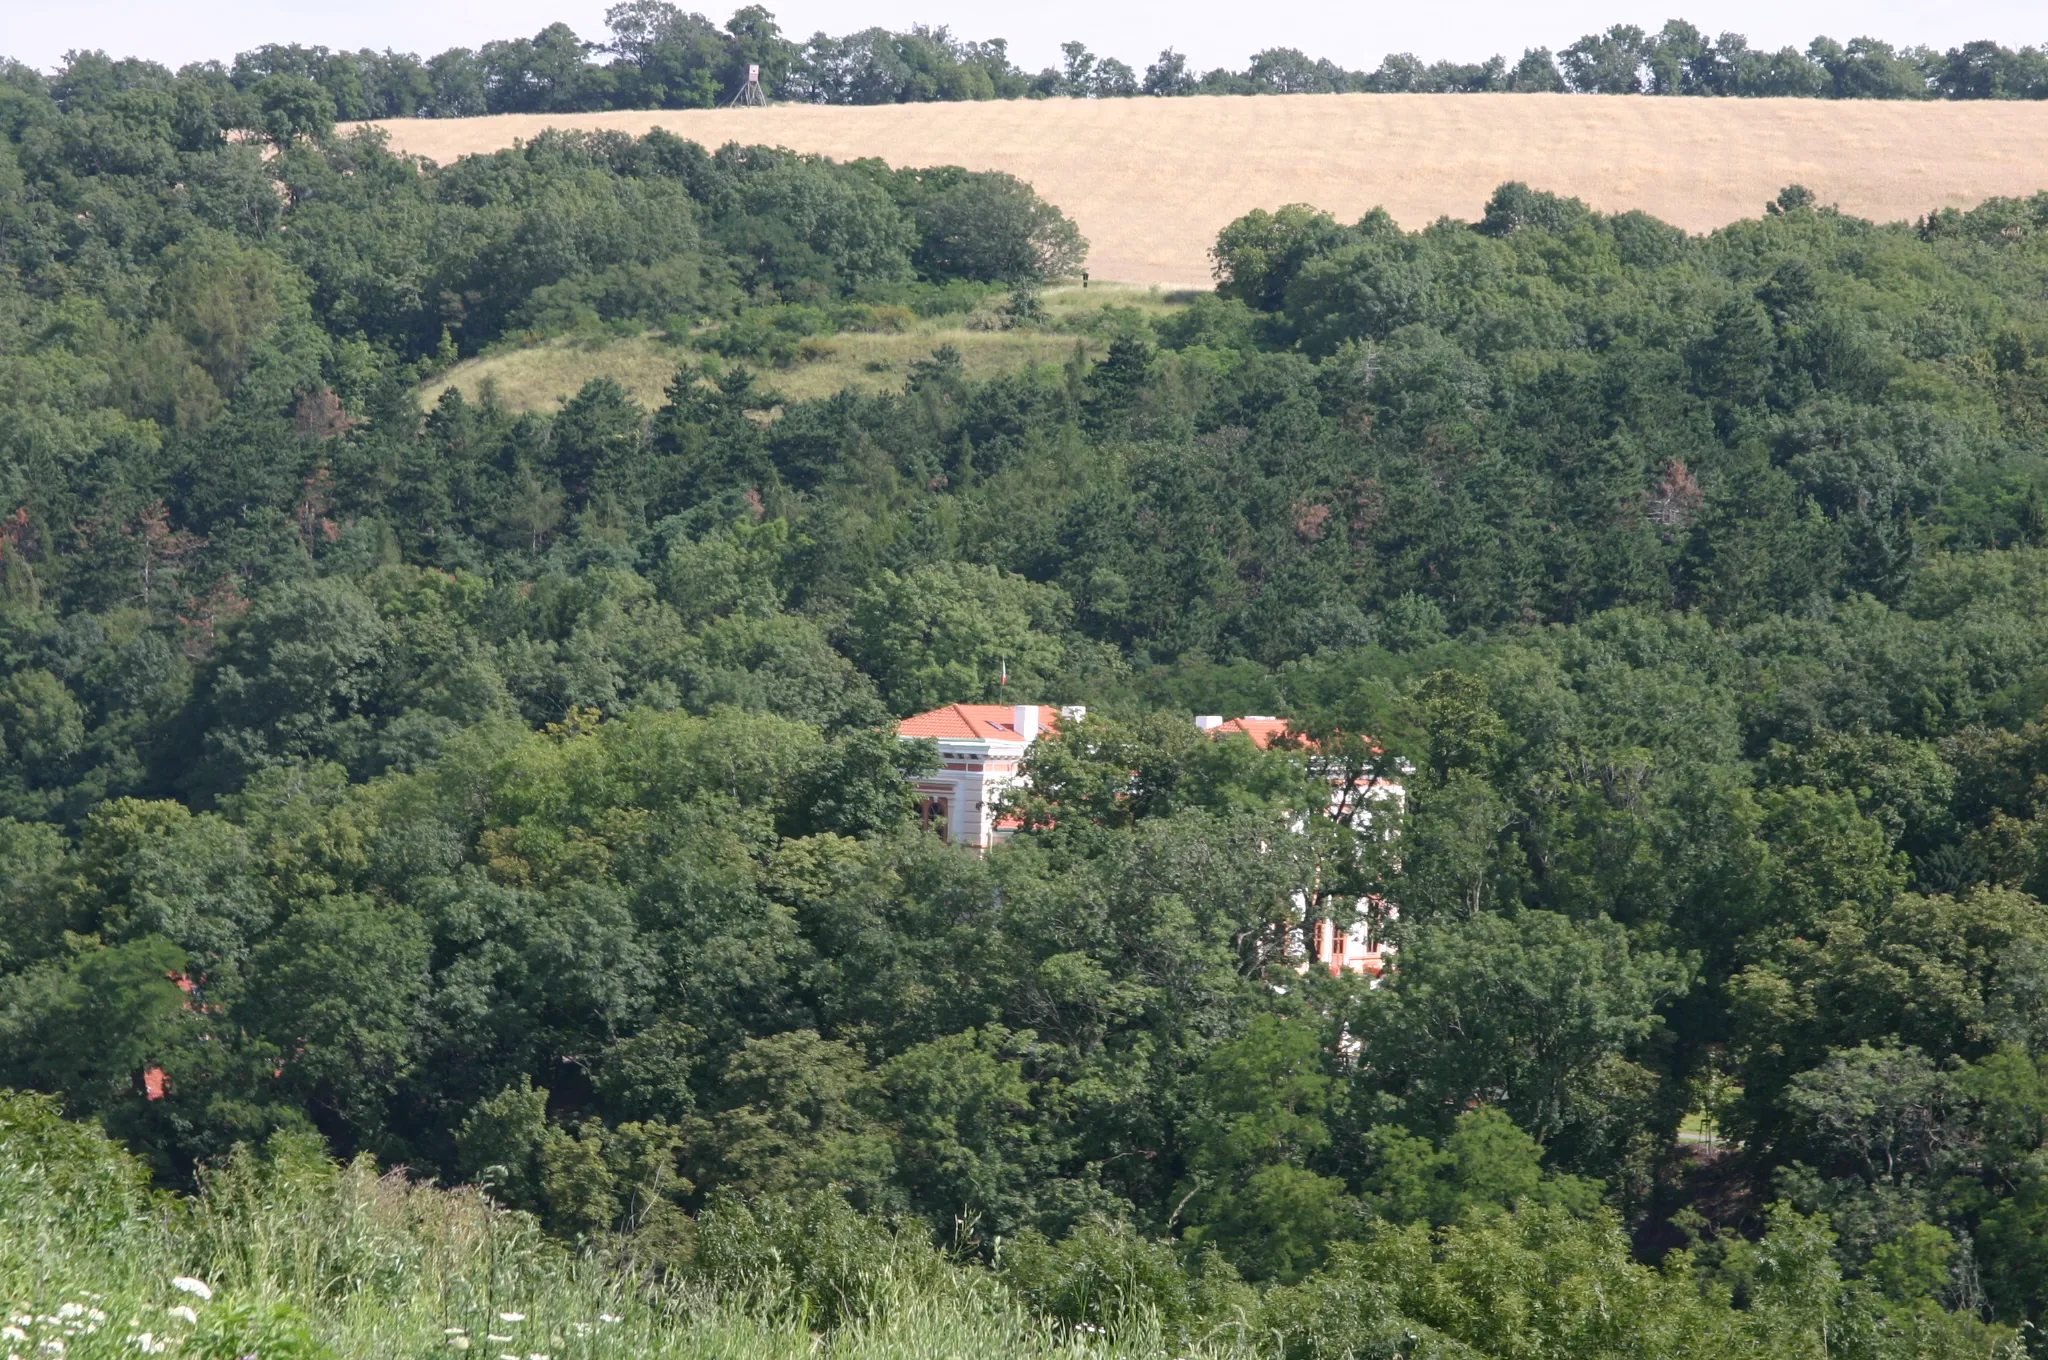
1355,33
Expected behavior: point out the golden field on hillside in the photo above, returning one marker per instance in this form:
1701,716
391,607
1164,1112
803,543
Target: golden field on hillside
1151,181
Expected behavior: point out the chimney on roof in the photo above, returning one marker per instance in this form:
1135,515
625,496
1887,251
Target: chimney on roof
1208,722
1024,717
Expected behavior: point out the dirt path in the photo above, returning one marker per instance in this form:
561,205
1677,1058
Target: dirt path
1152,180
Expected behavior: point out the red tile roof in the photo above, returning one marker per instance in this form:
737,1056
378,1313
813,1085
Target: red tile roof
997,722
1262,731
976,722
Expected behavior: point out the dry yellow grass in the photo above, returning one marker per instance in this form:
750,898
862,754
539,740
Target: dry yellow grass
1151,181
542,377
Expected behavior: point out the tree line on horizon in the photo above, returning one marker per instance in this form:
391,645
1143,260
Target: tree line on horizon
658,56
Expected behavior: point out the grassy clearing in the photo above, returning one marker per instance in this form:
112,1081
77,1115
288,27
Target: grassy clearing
541,377
883,362
1071,303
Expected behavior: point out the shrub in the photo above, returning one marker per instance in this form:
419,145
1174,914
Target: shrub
993,227
813,1257
1103,1275
771,334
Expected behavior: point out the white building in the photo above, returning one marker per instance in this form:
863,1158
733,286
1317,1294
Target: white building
982,745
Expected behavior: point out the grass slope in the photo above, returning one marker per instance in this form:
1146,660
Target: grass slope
286,1256
540,377
1151,181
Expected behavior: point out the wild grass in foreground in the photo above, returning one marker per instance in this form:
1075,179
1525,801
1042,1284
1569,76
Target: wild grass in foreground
288,1256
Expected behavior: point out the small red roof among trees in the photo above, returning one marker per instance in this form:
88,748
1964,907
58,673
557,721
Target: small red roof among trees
1262,731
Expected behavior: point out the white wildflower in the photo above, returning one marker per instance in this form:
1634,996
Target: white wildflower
148,1343
511,1317
460,1343
454,1331
12,1333
182,1313
494,1336
536,1357
503,1356
192,1286
609,1317
70,1310
52,1347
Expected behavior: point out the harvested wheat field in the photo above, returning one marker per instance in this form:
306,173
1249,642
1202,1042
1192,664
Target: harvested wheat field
1151,181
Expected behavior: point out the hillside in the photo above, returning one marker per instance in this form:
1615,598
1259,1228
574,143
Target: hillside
515,791
1151,181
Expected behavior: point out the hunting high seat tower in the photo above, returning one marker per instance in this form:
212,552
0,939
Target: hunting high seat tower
750,95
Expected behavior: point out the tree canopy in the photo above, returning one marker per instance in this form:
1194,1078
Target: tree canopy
513,796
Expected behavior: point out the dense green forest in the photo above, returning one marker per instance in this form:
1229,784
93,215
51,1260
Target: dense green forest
659,56
511,797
